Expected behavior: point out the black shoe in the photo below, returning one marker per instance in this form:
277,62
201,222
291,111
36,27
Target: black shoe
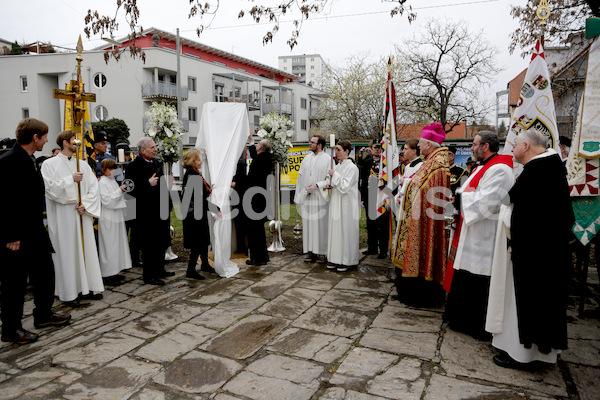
194,275
92,296
381,256
73,303
166,274
55,319
20,336
207,268
331,266
250,262
322,260
155,281
505,361
311,258
369,252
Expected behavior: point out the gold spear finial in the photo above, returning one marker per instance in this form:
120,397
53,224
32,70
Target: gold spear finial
543,12
79,47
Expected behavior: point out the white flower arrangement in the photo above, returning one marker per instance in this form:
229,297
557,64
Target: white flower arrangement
278,129
165,129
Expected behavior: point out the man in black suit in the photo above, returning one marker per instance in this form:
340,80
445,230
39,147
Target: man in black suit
261,167
24,243
152,232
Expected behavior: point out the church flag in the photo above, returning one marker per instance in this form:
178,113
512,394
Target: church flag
388,168
535,106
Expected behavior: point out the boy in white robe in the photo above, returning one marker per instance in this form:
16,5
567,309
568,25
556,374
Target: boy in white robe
112,234
344,211
76,258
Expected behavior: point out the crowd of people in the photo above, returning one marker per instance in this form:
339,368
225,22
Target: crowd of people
500,285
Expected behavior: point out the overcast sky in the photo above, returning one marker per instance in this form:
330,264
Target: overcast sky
348,27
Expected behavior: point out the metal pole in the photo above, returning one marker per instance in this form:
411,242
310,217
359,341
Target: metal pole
179,98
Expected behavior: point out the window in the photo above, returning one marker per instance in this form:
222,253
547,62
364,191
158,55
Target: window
303,103
191,83
312,59
219,97
192,112
303,124
285,68
285,60
25,112
295,59
312,67
101,113
99,80
24,83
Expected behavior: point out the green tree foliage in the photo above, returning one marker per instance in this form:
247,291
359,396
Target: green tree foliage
116,130
450,69
16,49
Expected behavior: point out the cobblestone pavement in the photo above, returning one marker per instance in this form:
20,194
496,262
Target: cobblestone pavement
287,330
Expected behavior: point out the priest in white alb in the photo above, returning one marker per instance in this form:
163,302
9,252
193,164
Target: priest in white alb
311,204
76,258
344,210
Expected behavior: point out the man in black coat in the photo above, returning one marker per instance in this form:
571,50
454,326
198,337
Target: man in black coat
24,243
541,222
377,226
152,231
260,168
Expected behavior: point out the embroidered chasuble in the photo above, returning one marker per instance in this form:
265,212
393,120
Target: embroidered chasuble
421,244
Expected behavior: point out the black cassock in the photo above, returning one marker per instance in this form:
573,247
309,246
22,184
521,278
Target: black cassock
541,223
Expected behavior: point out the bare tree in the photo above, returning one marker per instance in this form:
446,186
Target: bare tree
356,92
450,69
206,10
567,17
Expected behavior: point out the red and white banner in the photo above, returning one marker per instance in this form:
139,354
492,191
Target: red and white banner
388,168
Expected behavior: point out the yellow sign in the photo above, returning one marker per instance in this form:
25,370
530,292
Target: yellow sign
289,173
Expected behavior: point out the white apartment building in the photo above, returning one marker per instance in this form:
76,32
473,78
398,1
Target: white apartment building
310,68
125,89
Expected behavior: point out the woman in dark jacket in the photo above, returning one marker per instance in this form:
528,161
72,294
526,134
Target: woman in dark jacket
196,236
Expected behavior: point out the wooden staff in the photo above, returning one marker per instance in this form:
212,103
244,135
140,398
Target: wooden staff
77,144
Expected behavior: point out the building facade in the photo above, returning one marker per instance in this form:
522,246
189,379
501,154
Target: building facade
309,68
125,89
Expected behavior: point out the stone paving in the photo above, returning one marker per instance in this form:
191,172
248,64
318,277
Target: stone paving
287,330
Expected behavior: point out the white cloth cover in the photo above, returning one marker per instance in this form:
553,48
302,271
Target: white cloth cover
480,218
312,206
589,144
501,318
113,245
224,130
344,214
76,272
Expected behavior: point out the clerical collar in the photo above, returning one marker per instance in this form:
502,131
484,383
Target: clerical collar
415,161
488,159
70,158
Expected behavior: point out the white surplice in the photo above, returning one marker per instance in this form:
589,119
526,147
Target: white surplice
502,319
76,272
112,234
344,214
313,207
480,218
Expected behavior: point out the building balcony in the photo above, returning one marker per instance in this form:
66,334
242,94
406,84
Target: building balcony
277,107
163,91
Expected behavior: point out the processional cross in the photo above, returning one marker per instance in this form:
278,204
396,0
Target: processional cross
75,99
